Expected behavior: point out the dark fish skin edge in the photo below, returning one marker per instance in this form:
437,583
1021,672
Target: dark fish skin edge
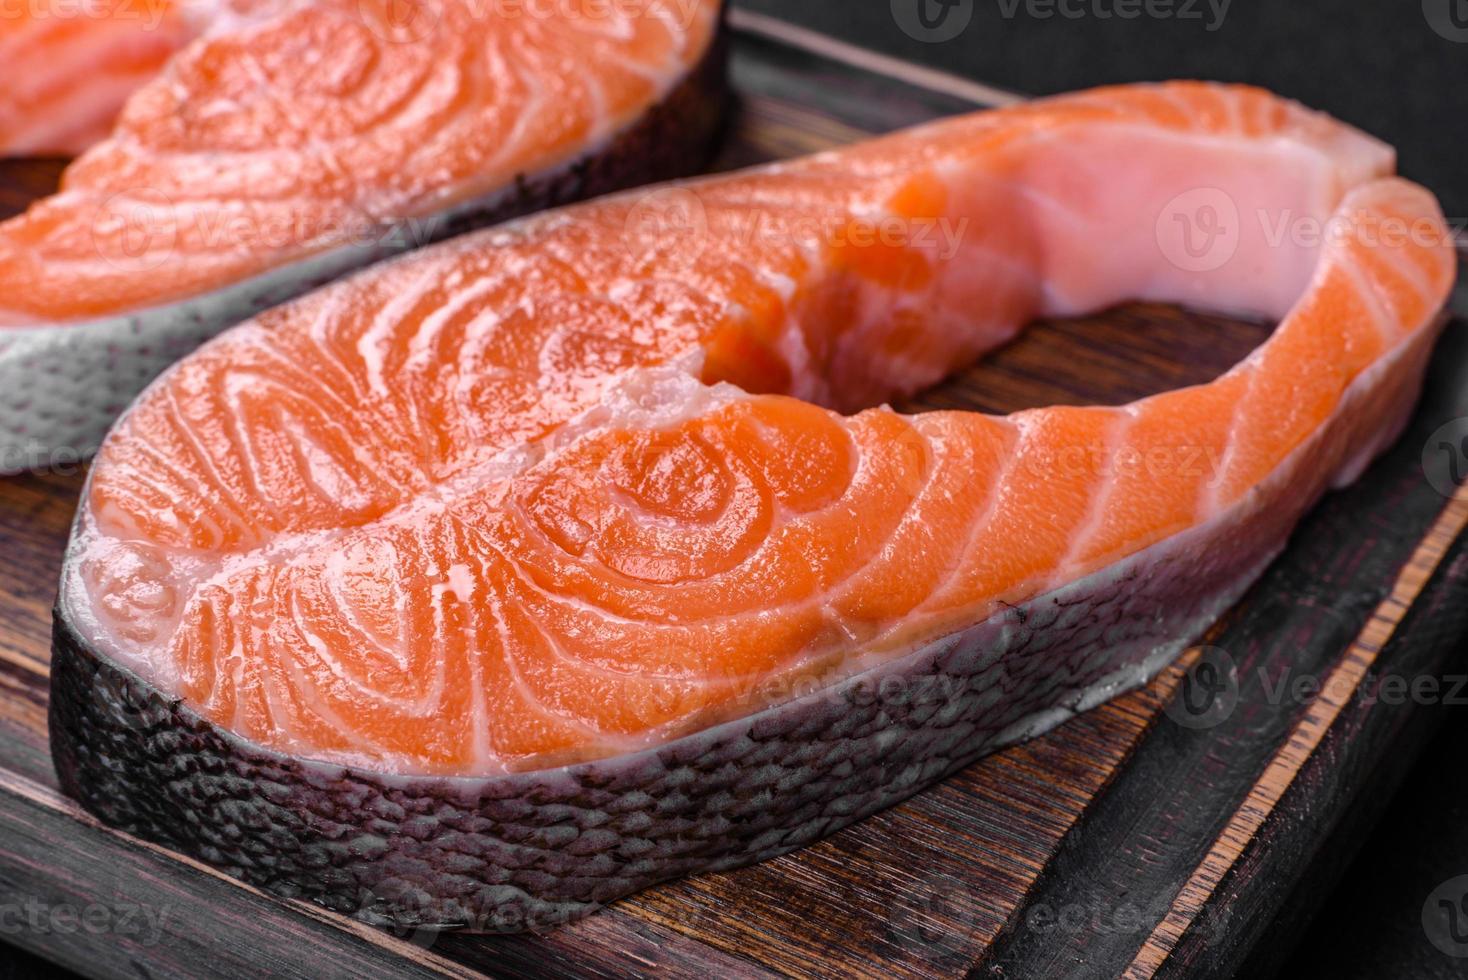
535,850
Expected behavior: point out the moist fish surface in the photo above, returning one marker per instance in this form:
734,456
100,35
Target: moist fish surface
507,578
295,141
69,67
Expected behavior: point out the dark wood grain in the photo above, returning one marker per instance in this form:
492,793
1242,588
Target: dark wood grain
1109,815
1323,616
88,897
26,180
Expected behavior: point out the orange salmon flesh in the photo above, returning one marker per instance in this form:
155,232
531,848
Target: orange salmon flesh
613,474
292,128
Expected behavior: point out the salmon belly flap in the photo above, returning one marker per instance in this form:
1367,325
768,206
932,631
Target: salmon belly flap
288,143
598,520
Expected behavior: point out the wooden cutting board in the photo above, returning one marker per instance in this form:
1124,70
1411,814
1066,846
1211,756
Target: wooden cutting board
1184,829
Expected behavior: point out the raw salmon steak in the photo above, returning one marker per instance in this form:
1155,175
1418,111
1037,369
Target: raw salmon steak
518,574
69,66
295,141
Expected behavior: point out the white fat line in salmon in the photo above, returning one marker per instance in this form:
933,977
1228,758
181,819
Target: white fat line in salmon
1214,10
150,12
151,227
684,11
680,13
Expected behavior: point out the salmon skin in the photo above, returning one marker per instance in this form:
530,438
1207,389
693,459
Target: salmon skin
296,141
516,575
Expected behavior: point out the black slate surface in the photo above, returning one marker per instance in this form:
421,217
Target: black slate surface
1372,925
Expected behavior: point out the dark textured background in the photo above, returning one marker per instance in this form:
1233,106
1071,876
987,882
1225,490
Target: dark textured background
1377,63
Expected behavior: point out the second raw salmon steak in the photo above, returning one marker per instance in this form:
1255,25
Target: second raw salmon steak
513,576
298,140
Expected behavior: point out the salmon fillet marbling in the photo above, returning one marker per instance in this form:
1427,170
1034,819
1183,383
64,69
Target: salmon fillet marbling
294,141
579,554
